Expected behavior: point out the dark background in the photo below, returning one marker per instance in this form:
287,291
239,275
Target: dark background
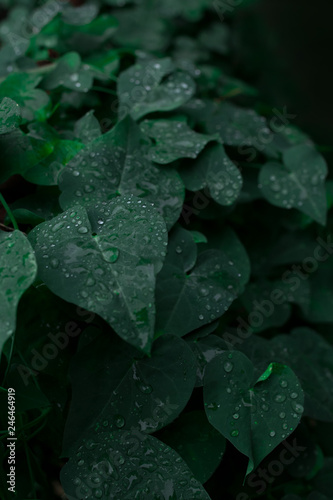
288,54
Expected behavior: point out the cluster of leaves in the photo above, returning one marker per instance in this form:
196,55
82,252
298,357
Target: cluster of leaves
169,230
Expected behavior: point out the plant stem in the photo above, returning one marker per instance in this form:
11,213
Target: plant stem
9,212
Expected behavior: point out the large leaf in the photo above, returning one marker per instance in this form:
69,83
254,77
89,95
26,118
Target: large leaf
192,292
128,465
105,260
18,270
157,388
255,415
214,169
174,139
311,358
115,163
142,91
298,183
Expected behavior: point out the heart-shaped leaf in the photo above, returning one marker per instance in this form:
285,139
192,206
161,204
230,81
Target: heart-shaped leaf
157,388
298,183
192,292
18,270
311,358
105,260
115,163
254,415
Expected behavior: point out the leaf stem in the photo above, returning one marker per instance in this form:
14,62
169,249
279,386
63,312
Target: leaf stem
9,212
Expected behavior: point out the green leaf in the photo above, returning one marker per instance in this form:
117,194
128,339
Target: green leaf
20,152
254,415
197,442
192,292
70,74
105,259
269,301
157,387
10,115
237,126
142,91
34,103
132,30
311,358
298,183
173,139
115,163
137,464
216,38
87,129
18,270
214,169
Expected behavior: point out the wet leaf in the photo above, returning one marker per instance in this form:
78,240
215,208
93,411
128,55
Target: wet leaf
255,415
105,259
18,270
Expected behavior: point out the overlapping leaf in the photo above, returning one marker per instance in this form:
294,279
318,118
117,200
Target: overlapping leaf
115,163
214,169
174,139
298,182
142,91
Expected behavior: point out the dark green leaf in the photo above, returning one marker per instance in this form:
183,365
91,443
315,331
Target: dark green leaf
105,260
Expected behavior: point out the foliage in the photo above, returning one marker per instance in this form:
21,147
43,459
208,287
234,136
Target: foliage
166,262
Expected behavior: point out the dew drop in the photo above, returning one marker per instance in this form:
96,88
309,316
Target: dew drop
228,366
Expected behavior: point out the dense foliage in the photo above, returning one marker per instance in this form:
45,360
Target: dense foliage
166,262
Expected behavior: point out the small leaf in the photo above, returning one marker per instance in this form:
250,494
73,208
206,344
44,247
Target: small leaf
173,139
18,270
10,115
105,260
254,415
69,73
142,91
298,183
34,103
214,169
87,129
238,126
